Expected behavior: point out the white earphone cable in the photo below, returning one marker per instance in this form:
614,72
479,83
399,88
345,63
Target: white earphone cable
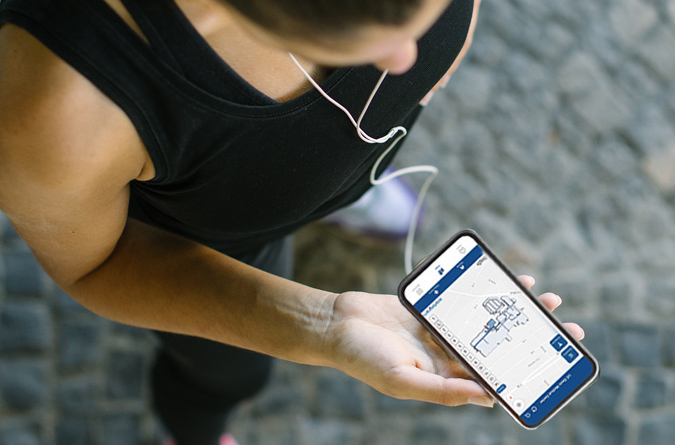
432,170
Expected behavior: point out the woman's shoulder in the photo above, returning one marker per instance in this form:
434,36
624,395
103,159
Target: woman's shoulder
54,123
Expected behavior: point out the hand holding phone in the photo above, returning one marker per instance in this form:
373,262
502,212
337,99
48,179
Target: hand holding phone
513,347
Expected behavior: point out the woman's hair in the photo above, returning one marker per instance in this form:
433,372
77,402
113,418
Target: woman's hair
324,17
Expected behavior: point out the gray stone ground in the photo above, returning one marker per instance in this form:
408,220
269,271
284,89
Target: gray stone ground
556,142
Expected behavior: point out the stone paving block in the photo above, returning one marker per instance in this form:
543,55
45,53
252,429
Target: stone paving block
284,395
568,13
605,395
275,432
598,338
657,51
580,73
338,395
602,108
616,293
488,51
81,343
466,193
660,293
538,11
126,371
594,430
330,432
386,404
472,86
670,346
639,345
494,229
670,9
74,431
24,383
613,157
433,432
637,81
477,139
549,433
20,432
552,42
651,132
524,73
78,395
25,326
23,274
576,290
657,430
120,429
485,426
504,19
567,251
651,391
659,167
632,19
574,135
504,190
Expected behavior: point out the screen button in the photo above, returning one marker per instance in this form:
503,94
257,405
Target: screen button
558,342
570,354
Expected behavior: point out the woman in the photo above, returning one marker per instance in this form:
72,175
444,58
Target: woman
156,156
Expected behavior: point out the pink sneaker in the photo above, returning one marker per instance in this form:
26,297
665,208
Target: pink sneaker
383,212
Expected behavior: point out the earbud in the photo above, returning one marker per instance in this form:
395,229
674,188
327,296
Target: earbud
399,132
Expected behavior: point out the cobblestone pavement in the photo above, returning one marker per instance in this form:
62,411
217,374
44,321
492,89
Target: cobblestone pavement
556,142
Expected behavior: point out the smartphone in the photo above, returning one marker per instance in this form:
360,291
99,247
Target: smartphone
503,336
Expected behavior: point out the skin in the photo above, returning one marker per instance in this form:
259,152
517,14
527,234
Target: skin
67,156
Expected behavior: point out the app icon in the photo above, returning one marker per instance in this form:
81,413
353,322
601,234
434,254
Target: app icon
558,342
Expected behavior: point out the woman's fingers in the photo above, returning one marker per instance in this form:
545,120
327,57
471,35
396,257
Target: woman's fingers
527,280
550,300
575,330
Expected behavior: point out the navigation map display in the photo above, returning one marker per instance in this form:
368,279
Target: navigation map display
531,365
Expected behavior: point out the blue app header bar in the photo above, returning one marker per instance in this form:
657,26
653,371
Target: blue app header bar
450,277
553,396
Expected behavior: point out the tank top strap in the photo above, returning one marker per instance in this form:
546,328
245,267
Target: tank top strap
151,32
179,44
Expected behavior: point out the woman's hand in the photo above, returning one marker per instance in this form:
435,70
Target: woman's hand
467,44
378,342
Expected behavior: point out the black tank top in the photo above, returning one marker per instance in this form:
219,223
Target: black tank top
235,169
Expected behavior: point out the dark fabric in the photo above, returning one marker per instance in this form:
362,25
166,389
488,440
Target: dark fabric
235,169
196,383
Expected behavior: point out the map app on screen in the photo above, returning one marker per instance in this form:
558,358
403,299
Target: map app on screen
488,320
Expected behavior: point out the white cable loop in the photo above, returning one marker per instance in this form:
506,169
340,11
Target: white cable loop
433,171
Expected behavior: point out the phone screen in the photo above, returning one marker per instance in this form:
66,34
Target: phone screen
515,348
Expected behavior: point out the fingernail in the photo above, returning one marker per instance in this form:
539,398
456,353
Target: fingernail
559,301
487,402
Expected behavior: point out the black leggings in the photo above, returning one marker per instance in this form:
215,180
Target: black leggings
196,383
